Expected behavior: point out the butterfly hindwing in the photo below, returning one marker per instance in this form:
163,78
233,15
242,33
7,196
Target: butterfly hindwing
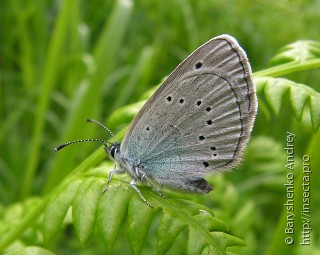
198,121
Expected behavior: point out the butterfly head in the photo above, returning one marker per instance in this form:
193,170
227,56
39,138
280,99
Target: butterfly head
113,150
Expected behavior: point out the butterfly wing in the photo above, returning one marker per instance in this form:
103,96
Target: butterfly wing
198,121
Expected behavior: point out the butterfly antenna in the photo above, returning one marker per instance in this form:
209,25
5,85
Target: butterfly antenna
80,141
104,127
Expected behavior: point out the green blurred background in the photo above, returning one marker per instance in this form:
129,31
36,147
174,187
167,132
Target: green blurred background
64,61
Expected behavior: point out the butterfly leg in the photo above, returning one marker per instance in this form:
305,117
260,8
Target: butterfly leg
133,185
111,173
144,177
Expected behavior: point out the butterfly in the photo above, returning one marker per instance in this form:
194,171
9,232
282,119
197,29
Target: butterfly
197,122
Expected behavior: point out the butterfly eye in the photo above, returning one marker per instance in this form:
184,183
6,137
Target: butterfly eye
113,150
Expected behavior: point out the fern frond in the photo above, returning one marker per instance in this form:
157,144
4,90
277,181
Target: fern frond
120,204
274,90
298,52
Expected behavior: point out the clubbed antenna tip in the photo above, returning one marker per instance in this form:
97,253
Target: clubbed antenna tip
59,147
80,141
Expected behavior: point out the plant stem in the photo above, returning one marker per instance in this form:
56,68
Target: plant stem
288,68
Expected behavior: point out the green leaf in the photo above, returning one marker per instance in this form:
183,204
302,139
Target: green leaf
212,241
208,221
274,94
300,94
298,97
197,243
299,51
200,223
225,240
57,209
112,209
315,111
139,220
84,208
169,229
